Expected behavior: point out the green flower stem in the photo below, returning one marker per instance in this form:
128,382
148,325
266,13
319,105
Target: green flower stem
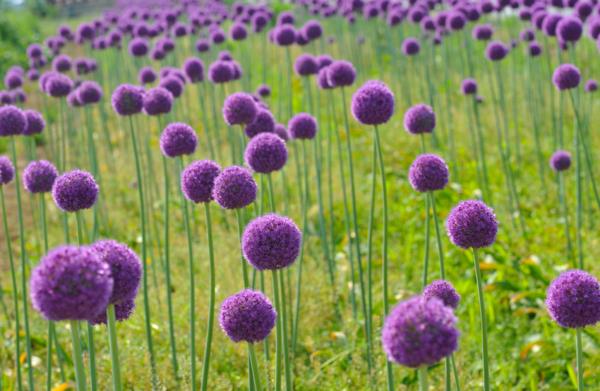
211,302
422,372
255,367
438,235
240,225
114,350
78,356
483,316
289,385
579,352
279,326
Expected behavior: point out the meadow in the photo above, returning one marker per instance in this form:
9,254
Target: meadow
482,85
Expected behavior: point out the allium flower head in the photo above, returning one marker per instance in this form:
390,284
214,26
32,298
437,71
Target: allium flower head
419,331
194,69
373,103
220,72
428,172
238,32
173,84
569,29
591,85
306,65
322,79
71,283
312,29
560,161
58,85
125,267
573,299
410,46
264,122
75,190
341,74
303,126
535,49
89,92
266,153
13,80
12,121
157,101
146,75
62,63
566,76
127,99
234,188
284,35
239,108
7,170
444,291
472,224
496,51
282,132
247,316
419,118
469,87
198,180
178,139
483,32
123,311
39,176
271,242
138,47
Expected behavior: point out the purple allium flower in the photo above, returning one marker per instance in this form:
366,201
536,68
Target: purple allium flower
324,60
70,283
34,51
75,190
220,72
496,51
306,65
73,99
178,139
469,87
591,85
285,18
569,29
456,21
35,122
127,99
194,70
428,173
7,170
535,49
263,91
12,121
322,79
271,242
550,23
341,74
411,46
312,29
239,108
58,86
566,76
247,316
483,32
527,35
263,122
13,80
138,47
217,36
39,176
302,126
419,118
146,75
89,92
173,84
282,132
238,32
560,161
234,188
419,331
472,224
444,291
202,45
284,35
33,74
123,311
125,267
5,98
373,103
266,153
573,299
236,70
157,101
198,180
62,63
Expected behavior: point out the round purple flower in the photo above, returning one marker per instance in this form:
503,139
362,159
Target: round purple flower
322,79
239,108
282,132
263,122
271,242
75,190
194,70
89,92
428,173
247,316
456,21
483,32
496,51
138,47
7,170
411,46
12,121
146,75
263,91
62,63
569,29
125,267
573,299
284,35
469,87
123,311
13,80
202,45
198,180
419,331
71,283
472,224
266,153
238,32
39,176
591,85
560,161
157,101
220,72
127,99
341,73
173,84
419,118
444,291
373,103
217,36
34,51
302,126
535,49
306,65
178,139
57,85
234,188
313,29
6,98
566,76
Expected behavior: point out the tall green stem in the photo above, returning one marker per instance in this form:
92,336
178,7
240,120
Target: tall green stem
483,316
579,353
279,326
423,378
211,301
114,350
77,356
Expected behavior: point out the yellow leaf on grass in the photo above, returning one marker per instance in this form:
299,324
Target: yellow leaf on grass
63,387
531,346
488,265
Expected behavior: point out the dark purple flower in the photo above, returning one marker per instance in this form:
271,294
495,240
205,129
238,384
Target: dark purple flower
569,29
444,291
89,92
263,91
341,74
419,118
123,311
39,176
456,21
62,63
566,76
324,60
483,32
527,35
127,99
591,85
271,242
550,23
125,268
263,122
247,316
35,122
238,32
178,139
472,224
312,29
322,79
428,173
13,80
217,36
57,85
173,84
157,101
410,46
373,103
12,121
70,283
306,65
75,190
560,160
302,126
469,87
7,170
202,45
266,153
234,188
34,51
282,132
138,47
146,75
239,108
535,49
194,70
285,18
198,180
419,332
496,51
220,72
573,299
284,35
